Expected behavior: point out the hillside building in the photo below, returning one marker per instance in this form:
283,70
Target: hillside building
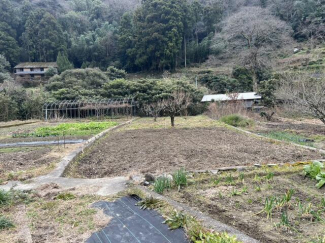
30,71
249,99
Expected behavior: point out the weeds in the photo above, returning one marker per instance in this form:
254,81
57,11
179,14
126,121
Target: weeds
176,220
150,203
5,223
180,179
235,192
161,184
230,179
5,198
66,196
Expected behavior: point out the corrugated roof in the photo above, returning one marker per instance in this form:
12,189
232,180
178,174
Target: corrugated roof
234,96
36,65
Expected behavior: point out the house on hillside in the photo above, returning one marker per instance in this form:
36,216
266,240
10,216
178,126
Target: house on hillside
32,71
249,100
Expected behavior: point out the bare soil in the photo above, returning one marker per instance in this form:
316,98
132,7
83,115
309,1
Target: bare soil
24,160
166,150
28,162
239,202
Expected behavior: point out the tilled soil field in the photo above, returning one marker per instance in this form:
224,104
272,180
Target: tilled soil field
166,150
24,160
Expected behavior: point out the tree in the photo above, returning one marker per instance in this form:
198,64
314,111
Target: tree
159,33
254,35
43,37
304,93
9,48
63,63
126,42
4,65
51,71
77,84
267,91
177,103
154,109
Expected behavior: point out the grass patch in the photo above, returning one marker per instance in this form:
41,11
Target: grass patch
5,223
64,129
237,121
290,137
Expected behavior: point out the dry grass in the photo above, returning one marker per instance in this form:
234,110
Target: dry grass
47,219
180,122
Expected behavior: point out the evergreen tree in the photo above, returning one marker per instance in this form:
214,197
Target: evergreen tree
51,38
126,43
63,63
159,33
43,37
9,48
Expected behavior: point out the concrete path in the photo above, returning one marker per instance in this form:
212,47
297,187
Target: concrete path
101,186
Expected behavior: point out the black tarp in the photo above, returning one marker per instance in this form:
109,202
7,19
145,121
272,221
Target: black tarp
131,224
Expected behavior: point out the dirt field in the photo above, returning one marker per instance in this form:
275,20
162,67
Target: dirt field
165,150
239,199
23,163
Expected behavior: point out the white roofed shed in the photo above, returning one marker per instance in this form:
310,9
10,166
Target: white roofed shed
248,98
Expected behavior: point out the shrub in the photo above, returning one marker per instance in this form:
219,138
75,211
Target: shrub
114,73
236,121
5,223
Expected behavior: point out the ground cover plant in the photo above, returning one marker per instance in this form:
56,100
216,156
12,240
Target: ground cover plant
196,143
65,129
271,204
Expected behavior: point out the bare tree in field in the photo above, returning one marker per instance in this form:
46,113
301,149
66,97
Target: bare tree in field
253,35
302,92
177,103
154,109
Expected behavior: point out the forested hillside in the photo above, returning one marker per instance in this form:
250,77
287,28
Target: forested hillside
225,45
155,34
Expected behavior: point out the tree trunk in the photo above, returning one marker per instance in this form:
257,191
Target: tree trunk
255,86
172,120
155,118
185,51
